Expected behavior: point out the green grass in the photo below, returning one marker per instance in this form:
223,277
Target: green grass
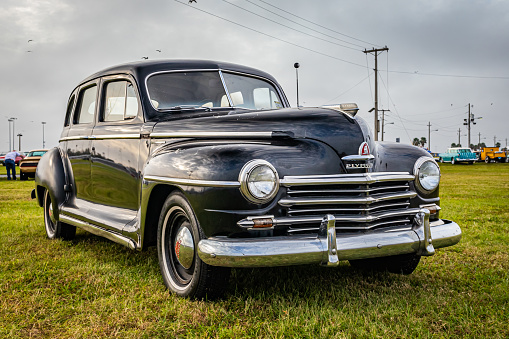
93,288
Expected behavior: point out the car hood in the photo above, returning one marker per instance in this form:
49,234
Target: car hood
338,130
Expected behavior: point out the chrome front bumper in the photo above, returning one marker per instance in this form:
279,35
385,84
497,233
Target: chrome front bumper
328,248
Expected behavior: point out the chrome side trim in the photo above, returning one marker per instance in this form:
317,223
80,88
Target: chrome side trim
118,238
305,249
364,209
204,134
192,182
337,179
102,137
332,250
288,202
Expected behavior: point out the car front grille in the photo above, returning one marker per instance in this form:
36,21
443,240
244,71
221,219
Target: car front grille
28,164
360,201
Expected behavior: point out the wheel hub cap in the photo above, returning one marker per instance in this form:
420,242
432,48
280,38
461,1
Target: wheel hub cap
184,247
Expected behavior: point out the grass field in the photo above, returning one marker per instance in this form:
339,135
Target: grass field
93,288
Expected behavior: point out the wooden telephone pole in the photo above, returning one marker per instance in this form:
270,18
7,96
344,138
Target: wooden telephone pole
376,52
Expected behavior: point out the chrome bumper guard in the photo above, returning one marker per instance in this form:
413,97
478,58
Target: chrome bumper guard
328,248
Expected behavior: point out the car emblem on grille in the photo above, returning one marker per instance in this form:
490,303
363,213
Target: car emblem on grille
364,149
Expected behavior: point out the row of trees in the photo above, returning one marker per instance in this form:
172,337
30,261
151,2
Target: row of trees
422,141
419,142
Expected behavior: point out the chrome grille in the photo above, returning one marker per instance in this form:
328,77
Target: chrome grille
359,201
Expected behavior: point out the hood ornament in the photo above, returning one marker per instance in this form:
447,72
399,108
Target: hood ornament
364,149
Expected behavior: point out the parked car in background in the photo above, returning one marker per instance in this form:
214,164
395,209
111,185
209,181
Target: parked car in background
18,158
28,165
489,154
208,162
457,154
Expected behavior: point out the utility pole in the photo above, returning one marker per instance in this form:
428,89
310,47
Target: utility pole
383,121
494,140
429,135
375,51
10,145
468,121
13,133
459,138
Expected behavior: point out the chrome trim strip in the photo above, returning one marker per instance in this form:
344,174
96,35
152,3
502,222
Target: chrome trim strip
102,137
203,134
289,221
192,182
355,228
328,191
358,157
118,238
74,138
305,249
365,209
288,202
337,179
117,136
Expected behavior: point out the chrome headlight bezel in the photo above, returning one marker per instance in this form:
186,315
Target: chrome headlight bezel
244,179
423,186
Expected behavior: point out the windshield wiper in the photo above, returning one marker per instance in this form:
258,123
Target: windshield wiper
181,108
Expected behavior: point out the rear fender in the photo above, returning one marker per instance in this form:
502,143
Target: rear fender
51,175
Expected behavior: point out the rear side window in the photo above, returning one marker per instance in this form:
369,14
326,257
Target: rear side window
86,107
120,102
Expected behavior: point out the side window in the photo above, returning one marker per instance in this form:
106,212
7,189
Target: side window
84,114
69,110
120,101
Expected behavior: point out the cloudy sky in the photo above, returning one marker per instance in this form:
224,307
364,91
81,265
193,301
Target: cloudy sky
443,55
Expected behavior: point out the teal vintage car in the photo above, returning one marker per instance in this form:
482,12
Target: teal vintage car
457,154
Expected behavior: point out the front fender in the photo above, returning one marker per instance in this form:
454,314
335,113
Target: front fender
50,175
396,157
208,164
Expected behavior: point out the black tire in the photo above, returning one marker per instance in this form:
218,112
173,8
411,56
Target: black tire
453,161
22,176
54,228
400,264
441,160
184,273
487,160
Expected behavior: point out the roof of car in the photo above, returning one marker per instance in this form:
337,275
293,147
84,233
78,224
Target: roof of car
144,68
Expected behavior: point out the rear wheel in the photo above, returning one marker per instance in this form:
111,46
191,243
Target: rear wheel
487,160
453,161
54,228
401,264
441,160
178,235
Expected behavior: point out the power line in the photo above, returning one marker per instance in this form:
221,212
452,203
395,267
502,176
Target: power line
451,75
314,23
270,36
293,29
297,23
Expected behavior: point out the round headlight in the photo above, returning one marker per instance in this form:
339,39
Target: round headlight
427,174
259,181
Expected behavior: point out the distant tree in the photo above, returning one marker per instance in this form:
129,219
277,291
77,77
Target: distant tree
474,147
422,141
416,142
497,144
482,145
455,145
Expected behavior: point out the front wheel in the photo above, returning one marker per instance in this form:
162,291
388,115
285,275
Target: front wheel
487,160
453,161
401,264
441,160
178,235
54,228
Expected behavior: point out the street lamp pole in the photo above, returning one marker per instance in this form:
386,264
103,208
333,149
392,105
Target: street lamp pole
10,145
13,132
43,142
19,141
296,65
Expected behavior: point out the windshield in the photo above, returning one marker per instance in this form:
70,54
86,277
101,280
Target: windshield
465,150
36,153
181,90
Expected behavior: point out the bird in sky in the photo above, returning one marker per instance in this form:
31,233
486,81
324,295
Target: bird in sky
30,40
191,1
158,50
144,58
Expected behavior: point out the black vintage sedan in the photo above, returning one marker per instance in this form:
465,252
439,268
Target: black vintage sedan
207,161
